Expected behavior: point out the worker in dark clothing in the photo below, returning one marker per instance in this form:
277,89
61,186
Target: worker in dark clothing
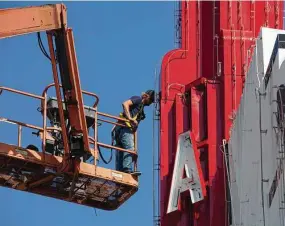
133,110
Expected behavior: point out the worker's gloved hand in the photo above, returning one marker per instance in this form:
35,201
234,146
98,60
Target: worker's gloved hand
134,122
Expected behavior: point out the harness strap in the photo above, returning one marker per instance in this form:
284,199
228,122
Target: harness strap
128,124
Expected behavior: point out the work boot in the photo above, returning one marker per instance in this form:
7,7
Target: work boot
136,173
133,173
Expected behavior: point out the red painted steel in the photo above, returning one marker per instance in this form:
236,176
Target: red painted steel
217,39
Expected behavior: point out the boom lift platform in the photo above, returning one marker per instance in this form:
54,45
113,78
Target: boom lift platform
60,169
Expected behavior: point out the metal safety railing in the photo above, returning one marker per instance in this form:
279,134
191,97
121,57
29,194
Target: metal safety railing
45,129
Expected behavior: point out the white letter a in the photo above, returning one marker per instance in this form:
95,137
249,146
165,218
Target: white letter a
185,160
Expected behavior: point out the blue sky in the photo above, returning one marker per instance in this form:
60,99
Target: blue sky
118,45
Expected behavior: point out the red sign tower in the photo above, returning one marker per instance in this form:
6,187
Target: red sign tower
201,85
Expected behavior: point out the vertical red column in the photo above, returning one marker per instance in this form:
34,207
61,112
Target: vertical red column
215,157
199,129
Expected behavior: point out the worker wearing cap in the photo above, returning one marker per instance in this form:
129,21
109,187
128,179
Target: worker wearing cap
133,110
